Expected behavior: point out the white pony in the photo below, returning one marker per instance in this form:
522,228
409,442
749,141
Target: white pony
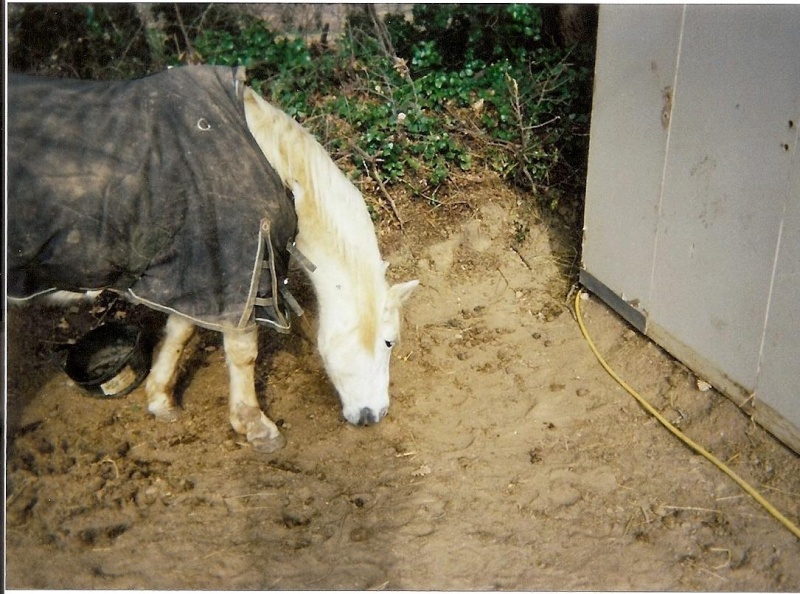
359,313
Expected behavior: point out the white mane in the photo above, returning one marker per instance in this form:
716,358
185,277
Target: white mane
334,206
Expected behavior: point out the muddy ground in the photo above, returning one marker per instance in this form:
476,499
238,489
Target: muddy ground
509,460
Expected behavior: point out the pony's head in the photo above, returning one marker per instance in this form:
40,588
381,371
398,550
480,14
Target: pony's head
359,313
357,353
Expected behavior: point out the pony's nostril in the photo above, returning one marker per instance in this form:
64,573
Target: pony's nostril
367,417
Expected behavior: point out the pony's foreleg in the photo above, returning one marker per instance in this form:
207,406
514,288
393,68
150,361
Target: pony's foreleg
241,350
164,372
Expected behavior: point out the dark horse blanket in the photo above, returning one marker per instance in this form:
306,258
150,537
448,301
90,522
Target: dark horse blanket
152,187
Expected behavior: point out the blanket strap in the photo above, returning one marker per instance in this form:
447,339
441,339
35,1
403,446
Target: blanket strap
267,308
291,247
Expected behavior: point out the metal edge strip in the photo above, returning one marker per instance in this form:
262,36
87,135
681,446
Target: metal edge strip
630,314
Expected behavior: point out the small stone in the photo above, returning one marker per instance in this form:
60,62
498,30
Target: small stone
146,497
123,449
95,483
44,446
423,470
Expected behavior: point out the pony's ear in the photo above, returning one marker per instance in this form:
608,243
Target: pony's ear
399,293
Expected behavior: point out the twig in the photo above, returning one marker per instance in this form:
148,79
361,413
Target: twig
789,493
500,294
730,497
697,509
727,561
153,32
191,54
377,178
551,75
523,133
130,44
258,494
405,454
543,124
522,258
719,577
369,162
380,29
114,464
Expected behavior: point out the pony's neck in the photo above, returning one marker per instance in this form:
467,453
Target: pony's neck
335,230
331,212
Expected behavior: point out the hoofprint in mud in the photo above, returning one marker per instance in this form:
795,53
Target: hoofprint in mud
206,164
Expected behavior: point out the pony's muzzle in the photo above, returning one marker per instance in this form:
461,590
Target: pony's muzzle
368,416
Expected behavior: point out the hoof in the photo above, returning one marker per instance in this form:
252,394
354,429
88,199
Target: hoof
268,445
261,433
264,436
166,415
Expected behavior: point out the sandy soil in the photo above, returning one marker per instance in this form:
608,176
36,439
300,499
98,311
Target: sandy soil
509,460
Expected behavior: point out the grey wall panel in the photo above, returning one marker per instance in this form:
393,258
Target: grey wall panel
779,377
726,180
637,51
698,219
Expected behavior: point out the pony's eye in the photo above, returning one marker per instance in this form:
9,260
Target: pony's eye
389,343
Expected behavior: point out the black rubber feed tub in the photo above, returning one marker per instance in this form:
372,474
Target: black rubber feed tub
109,361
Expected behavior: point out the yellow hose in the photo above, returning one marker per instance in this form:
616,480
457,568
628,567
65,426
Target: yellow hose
677,433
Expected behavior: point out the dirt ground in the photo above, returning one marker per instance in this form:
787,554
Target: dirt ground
509,460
